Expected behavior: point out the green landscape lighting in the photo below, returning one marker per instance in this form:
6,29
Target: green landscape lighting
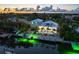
35,36
22,40
70,52
32,41
26,40
75,46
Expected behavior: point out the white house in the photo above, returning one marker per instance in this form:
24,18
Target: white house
36,22
48,27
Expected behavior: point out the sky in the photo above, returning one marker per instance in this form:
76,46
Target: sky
62,6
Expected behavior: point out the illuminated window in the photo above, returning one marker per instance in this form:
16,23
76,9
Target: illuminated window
45,28
50,28
40,27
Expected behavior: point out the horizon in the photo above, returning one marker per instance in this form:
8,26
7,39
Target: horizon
61,6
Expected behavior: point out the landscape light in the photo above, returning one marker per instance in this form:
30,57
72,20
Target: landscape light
32,41
75,46
35,36
22,39
70,52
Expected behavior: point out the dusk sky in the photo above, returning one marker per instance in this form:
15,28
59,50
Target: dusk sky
62,6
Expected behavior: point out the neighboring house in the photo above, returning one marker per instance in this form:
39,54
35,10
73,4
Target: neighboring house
36,22
48,27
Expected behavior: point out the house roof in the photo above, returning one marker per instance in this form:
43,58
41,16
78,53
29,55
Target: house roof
37,20
50,24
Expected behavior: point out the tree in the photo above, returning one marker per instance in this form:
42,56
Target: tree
23,27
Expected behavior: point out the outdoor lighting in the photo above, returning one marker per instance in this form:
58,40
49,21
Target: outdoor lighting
35,36
40,27
45,28
70,52
75,46
22,39
50,28
32,41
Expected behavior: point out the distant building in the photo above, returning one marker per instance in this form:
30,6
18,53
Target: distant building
60,10
23,9
38,7
50,8
48,27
